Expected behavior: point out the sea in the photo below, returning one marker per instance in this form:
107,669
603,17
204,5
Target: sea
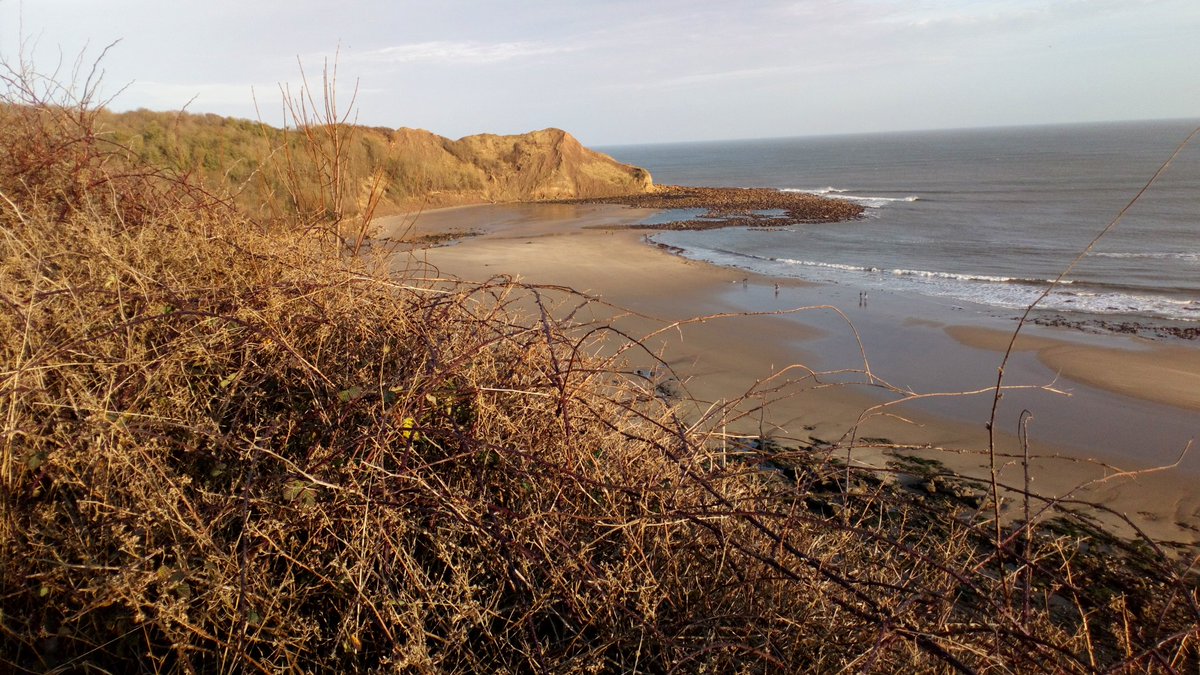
980,216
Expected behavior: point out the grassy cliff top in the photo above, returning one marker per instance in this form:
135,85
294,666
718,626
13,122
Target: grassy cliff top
413,167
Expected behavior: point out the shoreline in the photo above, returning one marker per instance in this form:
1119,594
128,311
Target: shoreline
587,247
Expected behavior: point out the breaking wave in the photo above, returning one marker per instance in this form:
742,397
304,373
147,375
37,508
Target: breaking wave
1161,255
909,273
869,201
991,290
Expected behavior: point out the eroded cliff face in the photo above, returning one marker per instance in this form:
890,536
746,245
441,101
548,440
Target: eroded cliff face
540,165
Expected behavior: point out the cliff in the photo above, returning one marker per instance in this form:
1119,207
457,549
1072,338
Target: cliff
546,164
418,168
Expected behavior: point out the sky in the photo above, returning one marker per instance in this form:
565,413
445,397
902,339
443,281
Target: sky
637,71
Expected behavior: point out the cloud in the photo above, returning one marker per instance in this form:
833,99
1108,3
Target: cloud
972,17
737,75
1014,13
456,53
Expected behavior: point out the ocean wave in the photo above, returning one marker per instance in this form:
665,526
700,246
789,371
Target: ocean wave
951,276
818,191
813,263
1095,286
977,277
1007,292
869,201
1163,255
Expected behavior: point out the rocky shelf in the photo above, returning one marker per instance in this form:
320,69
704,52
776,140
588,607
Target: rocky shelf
734,207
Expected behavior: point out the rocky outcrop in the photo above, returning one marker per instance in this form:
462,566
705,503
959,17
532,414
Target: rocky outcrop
734,207
540,165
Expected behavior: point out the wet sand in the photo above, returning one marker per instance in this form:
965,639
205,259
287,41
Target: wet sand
912,344
1168,375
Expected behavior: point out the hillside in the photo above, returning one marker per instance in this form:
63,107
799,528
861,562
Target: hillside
417,168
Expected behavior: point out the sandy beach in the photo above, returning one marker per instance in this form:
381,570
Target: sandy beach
1101,405
1168,375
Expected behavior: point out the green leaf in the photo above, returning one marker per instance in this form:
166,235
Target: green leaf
347,395
300,491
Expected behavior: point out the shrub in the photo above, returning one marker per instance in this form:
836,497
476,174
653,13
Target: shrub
228,445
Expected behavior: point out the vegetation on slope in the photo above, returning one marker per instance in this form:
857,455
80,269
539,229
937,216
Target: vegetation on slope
229,445
413,168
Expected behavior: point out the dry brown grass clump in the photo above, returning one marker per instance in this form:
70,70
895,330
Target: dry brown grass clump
230,447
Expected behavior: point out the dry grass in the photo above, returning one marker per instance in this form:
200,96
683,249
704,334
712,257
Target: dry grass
232,447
